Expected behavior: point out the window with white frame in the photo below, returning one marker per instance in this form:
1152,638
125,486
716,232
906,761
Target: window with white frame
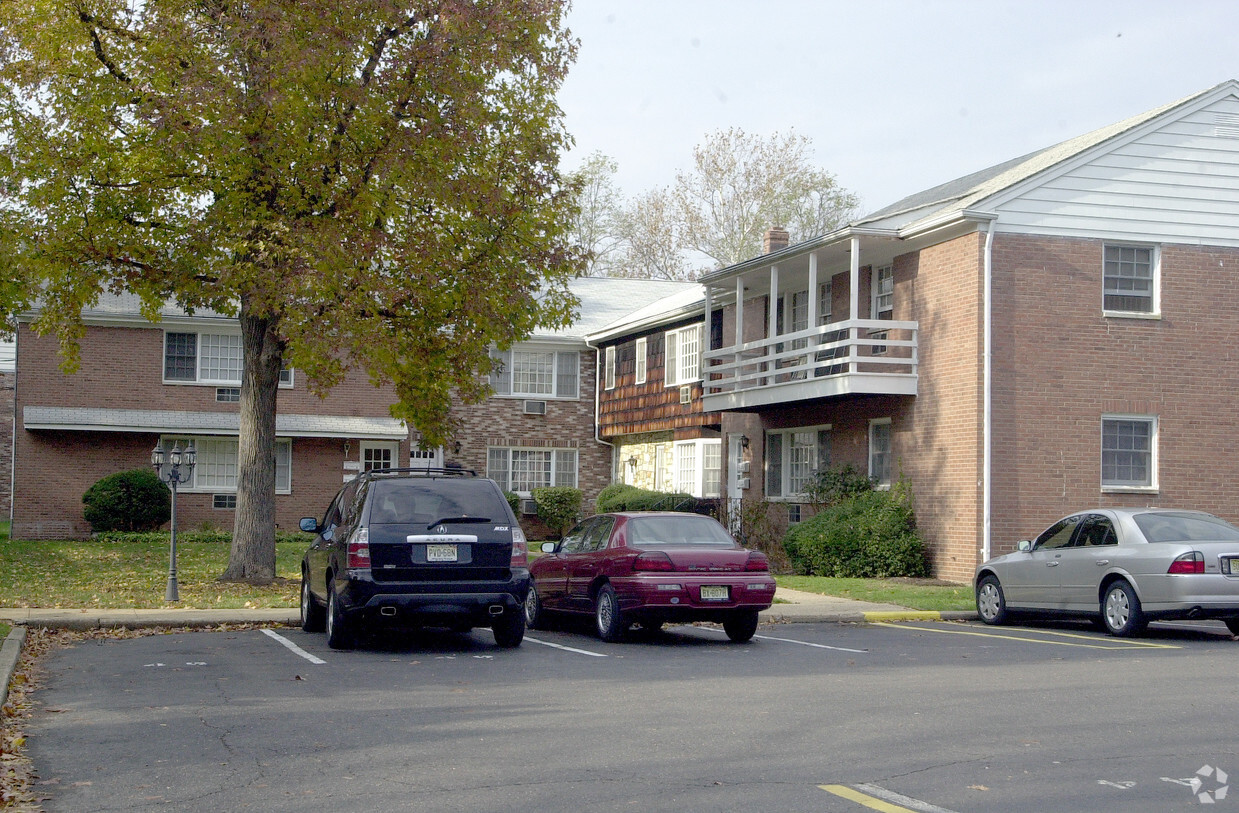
522,470
527,372
883,293
699,467
1128,452
378,455
610,367
642,346
207,358
683,355
824,303
1129,279
880,452
793,456
216,463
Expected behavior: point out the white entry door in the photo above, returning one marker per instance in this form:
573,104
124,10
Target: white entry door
378,454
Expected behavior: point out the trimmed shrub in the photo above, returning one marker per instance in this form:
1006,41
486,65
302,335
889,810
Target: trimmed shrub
558,507
871,534
514,500
621,497
135,500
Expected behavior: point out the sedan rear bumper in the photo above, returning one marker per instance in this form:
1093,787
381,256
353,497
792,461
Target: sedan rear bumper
679,597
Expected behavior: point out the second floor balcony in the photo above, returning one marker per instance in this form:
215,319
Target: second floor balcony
773,337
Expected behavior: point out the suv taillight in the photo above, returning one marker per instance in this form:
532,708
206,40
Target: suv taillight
653,560
757,562
520,548
1193,562
359,549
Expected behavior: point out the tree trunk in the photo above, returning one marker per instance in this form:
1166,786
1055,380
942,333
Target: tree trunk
252,558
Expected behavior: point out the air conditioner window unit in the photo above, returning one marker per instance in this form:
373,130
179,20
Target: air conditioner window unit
686,394
529,506
535,407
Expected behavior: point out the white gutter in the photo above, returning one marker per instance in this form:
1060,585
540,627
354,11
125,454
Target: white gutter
598,373
987,430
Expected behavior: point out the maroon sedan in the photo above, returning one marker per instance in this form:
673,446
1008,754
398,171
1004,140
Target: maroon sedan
650,568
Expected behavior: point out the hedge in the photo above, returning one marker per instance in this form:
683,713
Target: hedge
559,507
135,500
623,497
871,534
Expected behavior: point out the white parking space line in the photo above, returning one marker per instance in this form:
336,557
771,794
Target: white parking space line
565,648
793,641
293,647
899,798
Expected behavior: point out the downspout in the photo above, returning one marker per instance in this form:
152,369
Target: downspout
598,362
987,430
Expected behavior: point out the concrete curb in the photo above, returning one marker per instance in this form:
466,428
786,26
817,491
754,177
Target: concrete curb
10,651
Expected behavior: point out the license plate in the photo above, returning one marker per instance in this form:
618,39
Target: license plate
1230,565
715,592
440,553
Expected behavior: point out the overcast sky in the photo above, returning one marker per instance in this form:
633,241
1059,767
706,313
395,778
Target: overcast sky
896,95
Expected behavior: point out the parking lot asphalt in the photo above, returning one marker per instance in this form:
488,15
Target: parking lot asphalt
792,606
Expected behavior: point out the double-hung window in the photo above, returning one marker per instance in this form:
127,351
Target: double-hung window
1128,452
207,358
882,304
529,372
609,374
793,456
699,467
642,346
522,470
683,355
216,465
1129,279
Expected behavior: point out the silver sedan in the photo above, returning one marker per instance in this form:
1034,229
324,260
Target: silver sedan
1125,566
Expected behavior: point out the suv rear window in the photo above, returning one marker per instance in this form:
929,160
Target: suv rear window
425,501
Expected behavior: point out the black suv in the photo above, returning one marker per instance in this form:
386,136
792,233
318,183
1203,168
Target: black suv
415,547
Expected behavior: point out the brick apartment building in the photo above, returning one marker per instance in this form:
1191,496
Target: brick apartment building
141,383
1040,337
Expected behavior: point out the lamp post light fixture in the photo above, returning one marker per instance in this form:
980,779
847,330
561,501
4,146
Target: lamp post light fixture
179,469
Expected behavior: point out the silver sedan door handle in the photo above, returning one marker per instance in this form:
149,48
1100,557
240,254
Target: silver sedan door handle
1051,564
1103,562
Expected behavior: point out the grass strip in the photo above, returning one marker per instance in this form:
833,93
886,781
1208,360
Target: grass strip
915,594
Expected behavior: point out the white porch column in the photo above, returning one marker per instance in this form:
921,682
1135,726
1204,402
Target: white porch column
739,333
813,289
853,299
774,301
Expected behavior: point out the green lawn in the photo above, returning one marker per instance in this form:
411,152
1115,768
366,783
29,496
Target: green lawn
922,594
125,575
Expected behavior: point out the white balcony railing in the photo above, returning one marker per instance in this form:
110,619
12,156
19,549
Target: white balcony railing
856,356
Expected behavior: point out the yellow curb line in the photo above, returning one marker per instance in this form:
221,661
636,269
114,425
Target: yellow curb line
868,801
905,615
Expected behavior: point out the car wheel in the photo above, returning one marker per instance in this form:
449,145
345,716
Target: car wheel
1232,624
607,617
1120,611
741,626
991,604
535,616
313,617
509,628
339,632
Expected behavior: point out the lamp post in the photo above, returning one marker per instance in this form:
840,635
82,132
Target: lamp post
179,469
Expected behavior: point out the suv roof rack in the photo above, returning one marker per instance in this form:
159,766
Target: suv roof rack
427,472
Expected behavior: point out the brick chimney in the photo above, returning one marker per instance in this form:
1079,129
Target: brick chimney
774,239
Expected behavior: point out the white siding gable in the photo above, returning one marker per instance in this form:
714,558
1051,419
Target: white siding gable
1174,180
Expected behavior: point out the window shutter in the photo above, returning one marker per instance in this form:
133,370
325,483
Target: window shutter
567,378
497,467
774,465
671,360
501,379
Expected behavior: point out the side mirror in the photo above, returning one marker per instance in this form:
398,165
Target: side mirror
309,525
1024,545
550,547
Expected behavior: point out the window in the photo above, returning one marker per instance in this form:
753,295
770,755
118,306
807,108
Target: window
683,360
208,358
1130,279
523,470
792,458
228,395
883,293
880,452
217,465
610,367
378,455
824,297
699,467
1128,452
224,501
528,373
641,356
